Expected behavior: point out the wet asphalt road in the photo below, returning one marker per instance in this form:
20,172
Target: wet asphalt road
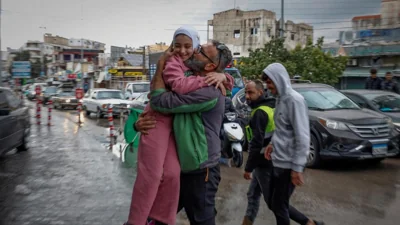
69,177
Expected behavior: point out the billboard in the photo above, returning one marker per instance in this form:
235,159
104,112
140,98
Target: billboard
373,35
116,53
21,69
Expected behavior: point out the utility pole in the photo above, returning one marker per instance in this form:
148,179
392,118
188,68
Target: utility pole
148,51
144,60
282,18
42,73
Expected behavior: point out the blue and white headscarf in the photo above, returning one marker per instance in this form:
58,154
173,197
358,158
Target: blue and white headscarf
191,32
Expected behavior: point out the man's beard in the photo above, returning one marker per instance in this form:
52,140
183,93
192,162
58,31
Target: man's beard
195,65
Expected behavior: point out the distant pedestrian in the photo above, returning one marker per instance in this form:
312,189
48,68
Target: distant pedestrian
373,82
85,87
389,84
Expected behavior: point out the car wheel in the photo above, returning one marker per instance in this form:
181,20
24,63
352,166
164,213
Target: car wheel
24,146
314,159
87,112
98,114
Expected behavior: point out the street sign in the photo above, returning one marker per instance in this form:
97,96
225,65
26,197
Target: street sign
38,90
21,69
79,93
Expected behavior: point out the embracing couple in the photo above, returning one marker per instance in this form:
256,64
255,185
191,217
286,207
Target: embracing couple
179,148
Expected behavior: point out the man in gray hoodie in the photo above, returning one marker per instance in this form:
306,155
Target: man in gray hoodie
290,143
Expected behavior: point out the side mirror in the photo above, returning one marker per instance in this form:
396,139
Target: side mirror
93,97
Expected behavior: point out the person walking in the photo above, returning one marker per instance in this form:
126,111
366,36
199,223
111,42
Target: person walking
290,142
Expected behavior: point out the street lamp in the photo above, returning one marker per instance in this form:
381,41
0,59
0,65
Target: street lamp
42,55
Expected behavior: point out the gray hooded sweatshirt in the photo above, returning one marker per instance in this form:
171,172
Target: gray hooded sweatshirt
291,139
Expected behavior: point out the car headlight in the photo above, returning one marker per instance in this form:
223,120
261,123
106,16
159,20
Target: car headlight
80,100
128,106
231,116
390,122
67,100
332,124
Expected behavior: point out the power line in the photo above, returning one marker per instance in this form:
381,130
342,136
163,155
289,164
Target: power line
310,23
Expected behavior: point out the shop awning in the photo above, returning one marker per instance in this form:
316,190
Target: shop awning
101,77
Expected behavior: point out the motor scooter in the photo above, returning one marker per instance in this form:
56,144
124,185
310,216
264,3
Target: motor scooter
233,136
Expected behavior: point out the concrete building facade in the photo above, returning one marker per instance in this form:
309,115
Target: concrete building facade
243,30
373,42
389,17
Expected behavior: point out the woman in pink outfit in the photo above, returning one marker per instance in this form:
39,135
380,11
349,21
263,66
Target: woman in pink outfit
155,194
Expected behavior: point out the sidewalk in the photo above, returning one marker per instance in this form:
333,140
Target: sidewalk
66,177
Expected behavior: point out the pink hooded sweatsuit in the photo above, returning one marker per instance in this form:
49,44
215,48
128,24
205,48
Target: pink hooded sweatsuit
156,190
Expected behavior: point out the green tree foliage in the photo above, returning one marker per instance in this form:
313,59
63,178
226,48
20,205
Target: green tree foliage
310,62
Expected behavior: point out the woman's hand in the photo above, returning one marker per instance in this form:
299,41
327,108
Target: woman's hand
164,57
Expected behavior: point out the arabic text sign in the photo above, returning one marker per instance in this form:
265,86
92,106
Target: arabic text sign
21,69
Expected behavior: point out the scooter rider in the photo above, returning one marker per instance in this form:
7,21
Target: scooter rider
258,133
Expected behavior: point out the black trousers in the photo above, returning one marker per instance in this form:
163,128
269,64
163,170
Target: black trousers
281,190
197,195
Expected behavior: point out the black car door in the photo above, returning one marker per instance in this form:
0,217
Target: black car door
17,114
7,124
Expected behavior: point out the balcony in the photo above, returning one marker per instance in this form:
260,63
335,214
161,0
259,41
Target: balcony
31,48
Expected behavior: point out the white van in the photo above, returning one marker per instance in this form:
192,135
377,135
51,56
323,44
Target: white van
134,89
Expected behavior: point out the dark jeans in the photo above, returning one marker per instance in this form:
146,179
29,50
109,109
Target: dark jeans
281,190
197,195
262,184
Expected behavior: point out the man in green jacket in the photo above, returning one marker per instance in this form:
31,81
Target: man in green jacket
197,124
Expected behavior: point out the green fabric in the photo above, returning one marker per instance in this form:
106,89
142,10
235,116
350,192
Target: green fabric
190,108
157,92
271,124
130,152
191,140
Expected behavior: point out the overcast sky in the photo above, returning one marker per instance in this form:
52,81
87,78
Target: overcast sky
143,22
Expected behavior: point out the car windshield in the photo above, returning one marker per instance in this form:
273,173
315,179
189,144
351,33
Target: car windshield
326,99
385,102
51,90
110,94
66,94
237,77
140,87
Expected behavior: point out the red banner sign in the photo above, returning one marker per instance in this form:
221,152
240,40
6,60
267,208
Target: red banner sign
71,76
79,93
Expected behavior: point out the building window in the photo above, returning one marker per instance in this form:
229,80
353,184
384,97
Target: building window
269,32
236,33
236,53
292,37
253,31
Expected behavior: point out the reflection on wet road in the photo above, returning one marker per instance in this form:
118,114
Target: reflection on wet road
69,177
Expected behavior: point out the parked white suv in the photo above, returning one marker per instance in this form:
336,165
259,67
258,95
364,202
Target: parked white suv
98,100
134,89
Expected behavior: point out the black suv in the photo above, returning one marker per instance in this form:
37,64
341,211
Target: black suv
340,129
